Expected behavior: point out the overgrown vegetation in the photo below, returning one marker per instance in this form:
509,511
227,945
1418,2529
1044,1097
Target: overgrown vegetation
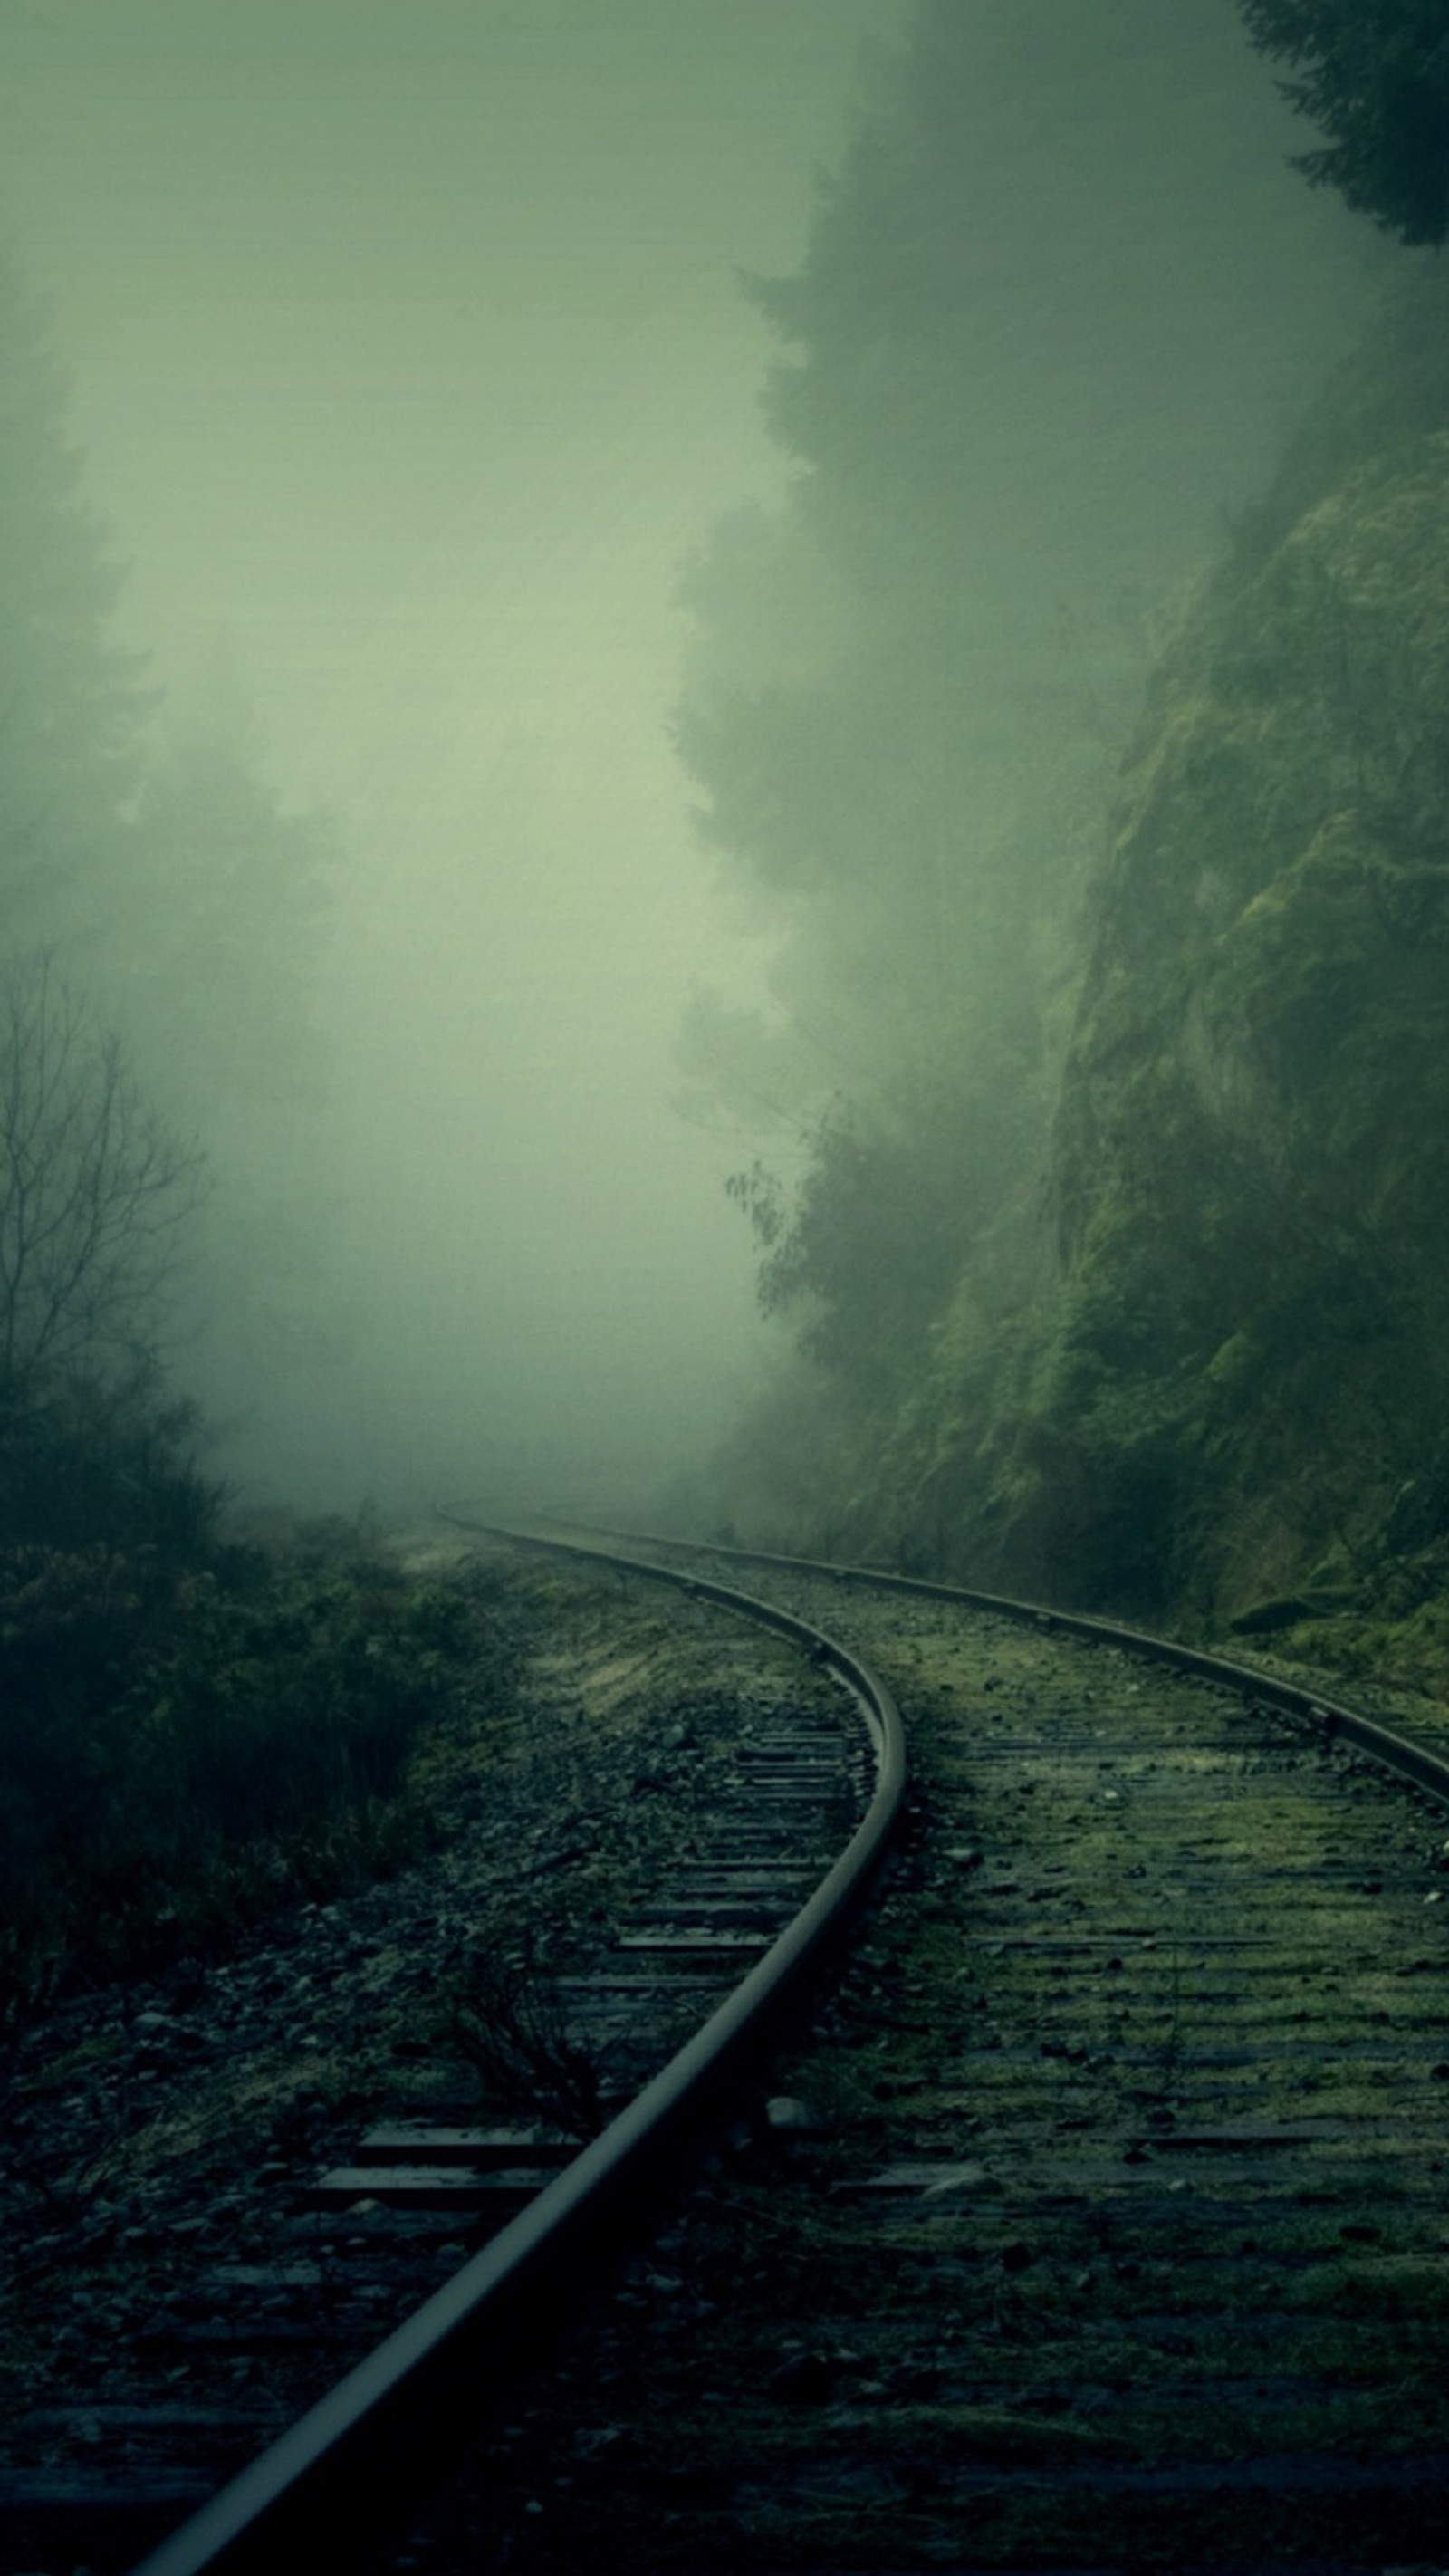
96,1191
1250,1151
894,1202
190,1741
1117,1271
164,920
190,1730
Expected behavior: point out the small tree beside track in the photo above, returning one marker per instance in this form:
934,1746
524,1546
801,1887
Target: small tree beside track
95,1193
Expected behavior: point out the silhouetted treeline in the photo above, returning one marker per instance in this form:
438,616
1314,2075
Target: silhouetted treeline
1057,307
148,869
1374,78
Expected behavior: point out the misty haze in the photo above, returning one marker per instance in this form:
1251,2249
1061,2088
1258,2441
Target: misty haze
414,363
406,359
723,810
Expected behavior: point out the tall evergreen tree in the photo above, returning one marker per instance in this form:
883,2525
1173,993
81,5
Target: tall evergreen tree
1374,77
70,701
158,869
1050,313
158,863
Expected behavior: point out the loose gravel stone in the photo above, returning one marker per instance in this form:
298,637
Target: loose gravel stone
1149,1984
159,2135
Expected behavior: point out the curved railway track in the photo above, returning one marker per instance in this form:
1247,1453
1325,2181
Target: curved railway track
1123,2245
1103,2228
376,2442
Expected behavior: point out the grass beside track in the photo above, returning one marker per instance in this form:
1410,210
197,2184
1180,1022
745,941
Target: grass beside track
159,2132
186,1751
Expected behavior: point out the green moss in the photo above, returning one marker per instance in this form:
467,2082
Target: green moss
1229,1368
1245,1360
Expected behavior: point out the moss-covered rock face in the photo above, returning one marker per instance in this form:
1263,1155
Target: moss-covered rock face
1249,1354
1241,1364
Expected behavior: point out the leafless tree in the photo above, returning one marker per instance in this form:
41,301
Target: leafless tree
95,1189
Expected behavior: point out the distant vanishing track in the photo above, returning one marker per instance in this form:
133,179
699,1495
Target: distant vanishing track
1339,1719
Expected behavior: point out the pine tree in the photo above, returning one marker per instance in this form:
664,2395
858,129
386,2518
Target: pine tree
1374,77
219,928
70,699
1048,316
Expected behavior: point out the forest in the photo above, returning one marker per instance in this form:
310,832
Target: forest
195,1726
724,811
1071,725
1102,1193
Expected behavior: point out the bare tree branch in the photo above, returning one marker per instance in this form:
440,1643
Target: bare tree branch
95,1190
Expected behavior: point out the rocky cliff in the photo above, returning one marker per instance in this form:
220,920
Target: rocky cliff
1233,1380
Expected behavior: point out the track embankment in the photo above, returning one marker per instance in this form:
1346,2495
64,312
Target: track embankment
224,2184
1108,2228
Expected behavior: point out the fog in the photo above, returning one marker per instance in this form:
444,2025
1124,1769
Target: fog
410,366
408,360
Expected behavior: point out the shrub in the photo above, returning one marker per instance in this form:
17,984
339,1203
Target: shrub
183,1747
85,1465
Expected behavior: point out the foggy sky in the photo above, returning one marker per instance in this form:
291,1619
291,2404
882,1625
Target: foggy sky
410,366
408,361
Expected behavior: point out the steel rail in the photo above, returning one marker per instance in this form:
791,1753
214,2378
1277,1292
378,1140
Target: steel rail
1340,1721
385,2437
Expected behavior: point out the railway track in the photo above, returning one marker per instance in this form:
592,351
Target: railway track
1114,2236
1097,2223
641,2039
